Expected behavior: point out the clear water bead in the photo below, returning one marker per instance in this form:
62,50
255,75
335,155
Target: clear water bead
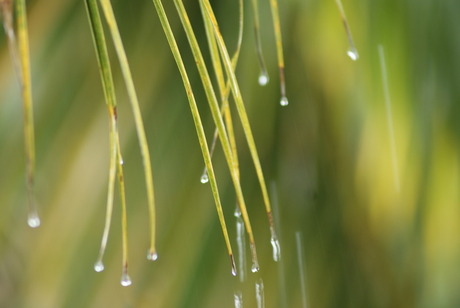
284,101
204,178
255,267
99,266
125,280
263,79
276,249
152,256
33,221
353,54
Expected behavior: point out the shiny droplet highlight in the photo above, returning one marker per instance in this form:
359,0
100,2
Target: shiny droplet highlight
263,79
125,280
33,220
99,266
284,101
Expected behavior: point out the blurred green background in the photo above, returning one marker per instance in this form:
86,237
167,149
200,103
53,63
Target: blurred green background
327,159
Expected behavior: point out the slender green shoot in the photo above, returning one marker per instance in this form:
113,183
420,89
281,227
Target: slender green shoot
111,21
21,59
217,116
116,161
279,50
352,52
224,89
263,76
198,124
245,122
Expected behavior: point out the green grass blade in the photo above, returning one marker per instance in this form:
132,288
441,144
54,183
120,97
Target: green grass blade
98,35
110,17
263,76
224,89
245,122
352,52
279,50
198,124
217,116
26,89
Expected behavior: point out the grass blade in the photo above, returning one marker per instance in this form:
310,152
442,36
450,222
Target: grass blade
279,50
22,66
198,124
263,76
98,35
244,120
110,17
217,116
352,52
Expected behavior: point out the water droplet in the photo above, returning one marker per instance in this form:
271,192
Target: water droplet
284,101
255,262
33,221
276,249
204,178
99,266
238,297
263,79
234,271
260,296
237,212
125,280
122,162
353,54
152,256
255,267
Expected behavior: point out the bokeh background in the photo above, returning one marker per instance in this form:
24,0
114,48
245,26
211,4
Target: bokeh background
361,241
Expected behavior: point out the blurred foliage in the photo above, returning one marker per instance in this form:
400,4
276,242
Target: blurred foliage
327,156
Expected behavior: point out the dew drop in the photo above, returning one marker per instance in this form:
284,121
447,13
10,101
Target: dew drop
260,296
125,280
204,178
99,266
152,256
33,221
238,297
353,54
122,161
276,249
284,101
255,267
263,79
234,271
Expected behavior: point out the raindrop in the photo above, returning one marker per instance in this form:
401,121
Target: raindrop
204,178
33,221
353,54
263,79
276,249
152,256
99,266
125,280
284,101
260,293
238,297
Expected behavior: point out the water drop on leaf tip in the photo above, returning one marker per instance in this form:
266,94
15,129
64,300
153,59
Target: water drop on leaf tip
263,79
284,101
152,256
99,266
204,179
33,221
125,280
353,54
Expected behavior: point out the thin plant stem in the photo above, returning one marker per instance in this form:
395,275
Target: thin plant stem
28,115
279,50
217,116
126,72
243,117
198,125
352,52
263,76
116,161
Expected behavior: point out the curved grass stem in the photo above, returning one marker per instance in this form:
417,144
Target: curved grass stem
198,125
218,120
126,72
242,114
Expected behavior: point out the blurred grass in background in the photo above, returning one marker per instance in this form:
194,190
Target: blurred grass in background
327,156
